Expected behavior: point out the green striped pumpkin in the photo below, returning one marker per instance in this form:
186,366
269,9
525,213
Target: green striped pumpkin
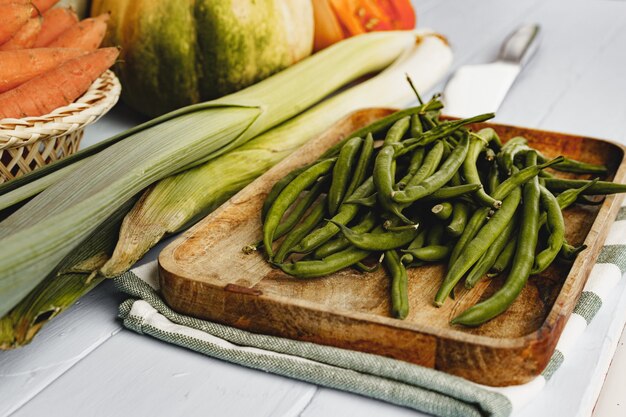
179,52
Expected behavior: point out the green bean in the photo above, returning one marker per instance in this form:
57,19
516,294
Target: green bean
490,155
369,201
431,253
365,225
556,226
522,264
367,150
364,268
278,187
443,210
557,185
478,245
416,126
300,207
416,243
460,213
416,162
399,285
504,259
342,172
287,196
435,234
390,226
470,170
590,201
521,177
384,174
506,157
472,226
397,130
569,252
326,266
488,259
447,193
346,213
572,165
437,180
307,224
377,239
545,174
492,179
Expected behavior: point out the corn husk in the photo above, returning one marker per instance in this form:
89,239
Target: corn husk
39,235
178,201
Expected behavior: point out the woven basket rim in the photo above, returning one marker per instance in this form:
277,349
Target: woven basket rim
101,96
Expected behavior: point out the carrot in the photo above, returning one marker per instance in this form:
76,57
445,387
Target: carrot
25,37
20,66
44,5
12,17
57,87
86,34
55,22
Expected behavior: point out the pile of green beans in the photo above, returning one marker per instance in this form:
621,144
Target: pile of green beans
413,189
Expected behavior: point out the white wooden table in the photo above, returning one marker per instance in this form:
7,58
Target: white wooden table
85,363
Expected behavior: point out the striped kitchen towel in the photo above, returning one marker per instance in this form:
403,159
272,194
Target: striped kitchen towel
386,379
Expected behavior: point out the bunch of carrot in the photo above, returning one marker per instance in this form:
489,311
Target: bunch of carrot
48,58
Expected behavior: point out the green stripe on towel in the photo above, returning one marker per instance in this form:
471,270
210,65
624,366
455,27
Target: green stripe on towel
588,305
613,254
555,362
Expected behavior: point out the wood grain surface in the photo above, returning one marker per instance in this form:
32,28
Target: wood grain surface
205,273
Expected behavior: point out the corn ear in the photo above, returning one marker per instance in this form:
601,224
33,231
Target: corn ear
178,201
41,233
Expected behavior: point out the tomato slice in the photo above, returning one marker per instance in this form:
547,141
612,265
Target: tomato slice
338,19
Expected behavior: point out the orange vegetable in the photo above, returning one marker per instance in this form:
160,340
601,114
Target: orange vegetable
25,37
22,65
57,87
12,17
44,5
339,19
55,22
86,34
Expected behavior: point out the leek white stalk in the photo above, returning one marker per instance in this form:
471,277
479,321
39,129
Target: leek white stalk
39,235
178,201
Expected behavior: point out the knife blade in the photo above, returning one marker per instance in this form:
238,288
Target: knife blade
476,89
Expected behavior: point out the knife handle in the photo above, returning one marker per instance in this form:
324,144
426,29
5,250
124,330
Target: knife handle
521,45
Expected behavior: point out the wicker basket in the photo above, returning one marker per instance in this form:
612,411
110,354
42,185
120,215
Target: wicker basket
32,142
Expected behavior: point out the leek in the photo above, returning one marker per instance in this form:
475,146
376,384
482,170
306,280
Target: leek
39,235
180,200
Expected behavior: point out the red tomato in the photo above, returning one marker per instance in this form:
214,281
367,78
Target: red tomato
339,19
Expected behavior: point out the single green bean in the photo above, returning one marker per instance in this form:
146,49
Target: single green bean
341,173
414,165
460,213
435,234
428,168
443,210
278,187
384,174
287,196
569,252
326,266
360,172
506,156
470,170
431,253
369,201
397,130
399,284
493,179
378,240
346,213
416,126
315,216
557,185
478,245
522,264
447,193
364,268
578,167
556,226
437,180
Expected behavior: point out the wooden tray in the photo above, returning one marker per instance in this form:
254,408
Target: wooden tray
205,273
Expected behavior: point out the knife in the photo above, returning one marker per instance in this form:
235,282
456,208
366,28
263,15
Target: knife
477,89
